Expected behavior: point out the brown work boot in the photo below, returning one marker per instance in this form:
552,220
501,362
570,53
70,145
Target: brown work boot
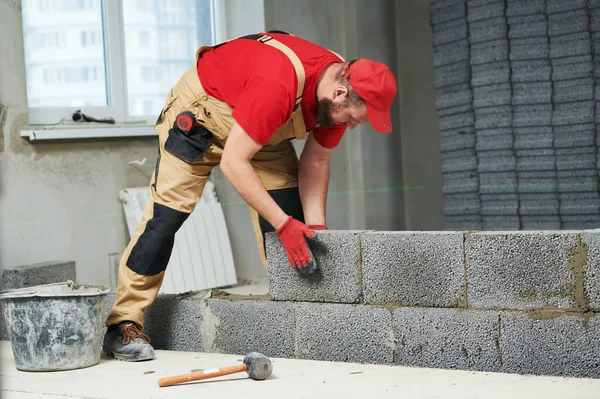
126,342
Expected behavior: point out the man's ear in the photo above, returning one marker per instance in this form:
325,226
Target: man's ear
339,93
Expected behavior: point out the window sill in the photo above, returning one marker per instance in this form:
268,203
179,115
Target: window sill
79,131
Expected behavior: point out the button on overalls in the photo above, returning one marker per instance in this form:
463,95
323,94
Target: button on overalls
185,161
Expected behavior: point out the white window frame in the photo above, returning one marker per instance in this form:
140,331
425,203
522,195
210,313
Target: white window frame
115,68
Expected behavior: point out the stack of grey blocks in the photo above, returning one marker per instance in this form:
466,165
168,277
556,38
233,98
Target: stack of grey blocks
454,102
494,113
524,302
533,69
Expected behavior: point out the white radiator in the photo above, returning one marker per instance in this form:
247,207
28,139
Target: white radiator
201,257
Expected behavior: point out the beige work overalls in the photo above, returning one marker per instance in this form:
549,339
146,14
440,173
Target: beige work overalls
177,183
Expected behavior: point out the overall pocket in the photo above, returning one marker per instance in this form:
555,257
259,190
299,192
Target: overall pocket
187,139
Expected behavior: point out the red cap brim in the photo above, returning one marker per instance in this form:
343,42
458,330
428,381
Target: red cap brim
381,121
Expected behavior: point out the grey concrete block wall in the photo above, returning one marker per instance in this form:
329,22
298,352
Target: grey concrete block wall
38,274
550,344
413,268
336,279
340,332
447,338
524,270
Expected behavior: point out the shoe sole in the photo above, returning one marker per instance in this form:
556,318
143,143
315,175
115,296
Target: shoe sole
126,358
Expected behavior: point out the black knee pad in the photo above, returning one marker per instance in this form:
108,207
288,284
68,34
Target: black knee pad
288,199
152,251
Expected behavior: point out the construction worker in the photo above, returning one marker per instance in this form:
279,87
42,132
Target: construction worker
239,107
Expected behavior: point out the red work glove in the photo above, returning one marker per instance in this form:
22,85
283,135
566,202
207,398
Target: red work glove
317,227
292,235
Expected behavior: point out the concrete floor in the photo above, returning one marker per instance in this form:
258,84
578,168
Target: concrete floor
290,379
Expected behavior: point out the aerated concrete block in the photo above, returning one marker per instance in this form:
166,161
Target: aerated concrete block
578,67
456,121
497,182
529,48
577,181
496,208
493,117
531,93
554,6
492,95
494,139
489,74
579,203
462,204
568,22
413,269
524,26
452,96
501,223
458,139
525,7
591,240
459,109
537,182
443,14
486,11
463,223
452,74
491,51
580,222
522,270
450,31
573,113
242,326
549,344
570,45
533,141
574,136
576,158
451,52
536,163
534,203
38,274
343,333
540,222
337,276
531,71
488,29
466,163
532,115
573,90
447,338
173,323
460,182
496,161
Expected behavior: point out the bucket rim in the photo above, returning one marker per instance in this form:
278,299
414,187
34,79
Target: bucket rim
34,291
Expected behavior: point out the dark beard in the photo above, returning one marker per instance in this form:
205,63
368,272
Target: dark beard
325,108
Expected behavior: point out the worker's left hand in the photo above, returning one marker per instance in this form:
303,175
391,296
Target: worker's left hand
293,235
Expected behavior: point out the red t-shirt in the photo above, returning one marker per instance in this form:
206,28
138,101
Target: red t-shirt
259,82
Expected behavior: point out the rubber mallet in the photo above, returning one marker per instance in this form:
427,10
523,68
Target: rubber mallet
258,367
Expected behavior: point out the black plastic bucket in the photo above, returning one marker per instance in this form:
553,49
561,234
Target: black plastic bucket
55,326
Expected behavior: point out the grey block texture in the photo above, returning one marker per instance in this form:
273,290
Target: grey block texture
452,74
573,90
571,45
336,279
566,345
492,95
221,326
447,338
38,274
537,182
576,158
488,29
462,204
459,164
490,51
499,207
344,333
458,109
496,161
577,181
591,239
501,223
494,139
531,71
452,96
493,117
497,182
532,115
441,14
460,182
450,31
578,67
458,139
525,7
477,12
533,163
573,113
492,73
464,222
570,136
451,52
531,93
455,121
540,222
529,49
554,6
568,22
523,270
413,268
525,26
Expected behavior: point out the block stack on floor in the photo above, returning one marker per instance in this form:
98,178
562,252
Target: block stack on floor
518,302
456,117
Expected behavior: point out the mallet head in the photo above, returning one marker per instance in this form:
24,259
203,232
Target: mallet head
258,366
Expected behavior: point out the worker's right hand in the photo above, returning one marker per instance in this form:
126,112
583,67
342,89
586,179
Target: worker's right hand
293,235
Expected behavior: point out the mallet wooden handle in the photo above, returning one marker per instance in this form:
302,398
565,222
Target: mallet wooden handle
200,375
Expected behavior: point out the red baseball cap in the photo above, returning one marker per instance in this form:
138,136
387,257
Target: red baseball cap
376,84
